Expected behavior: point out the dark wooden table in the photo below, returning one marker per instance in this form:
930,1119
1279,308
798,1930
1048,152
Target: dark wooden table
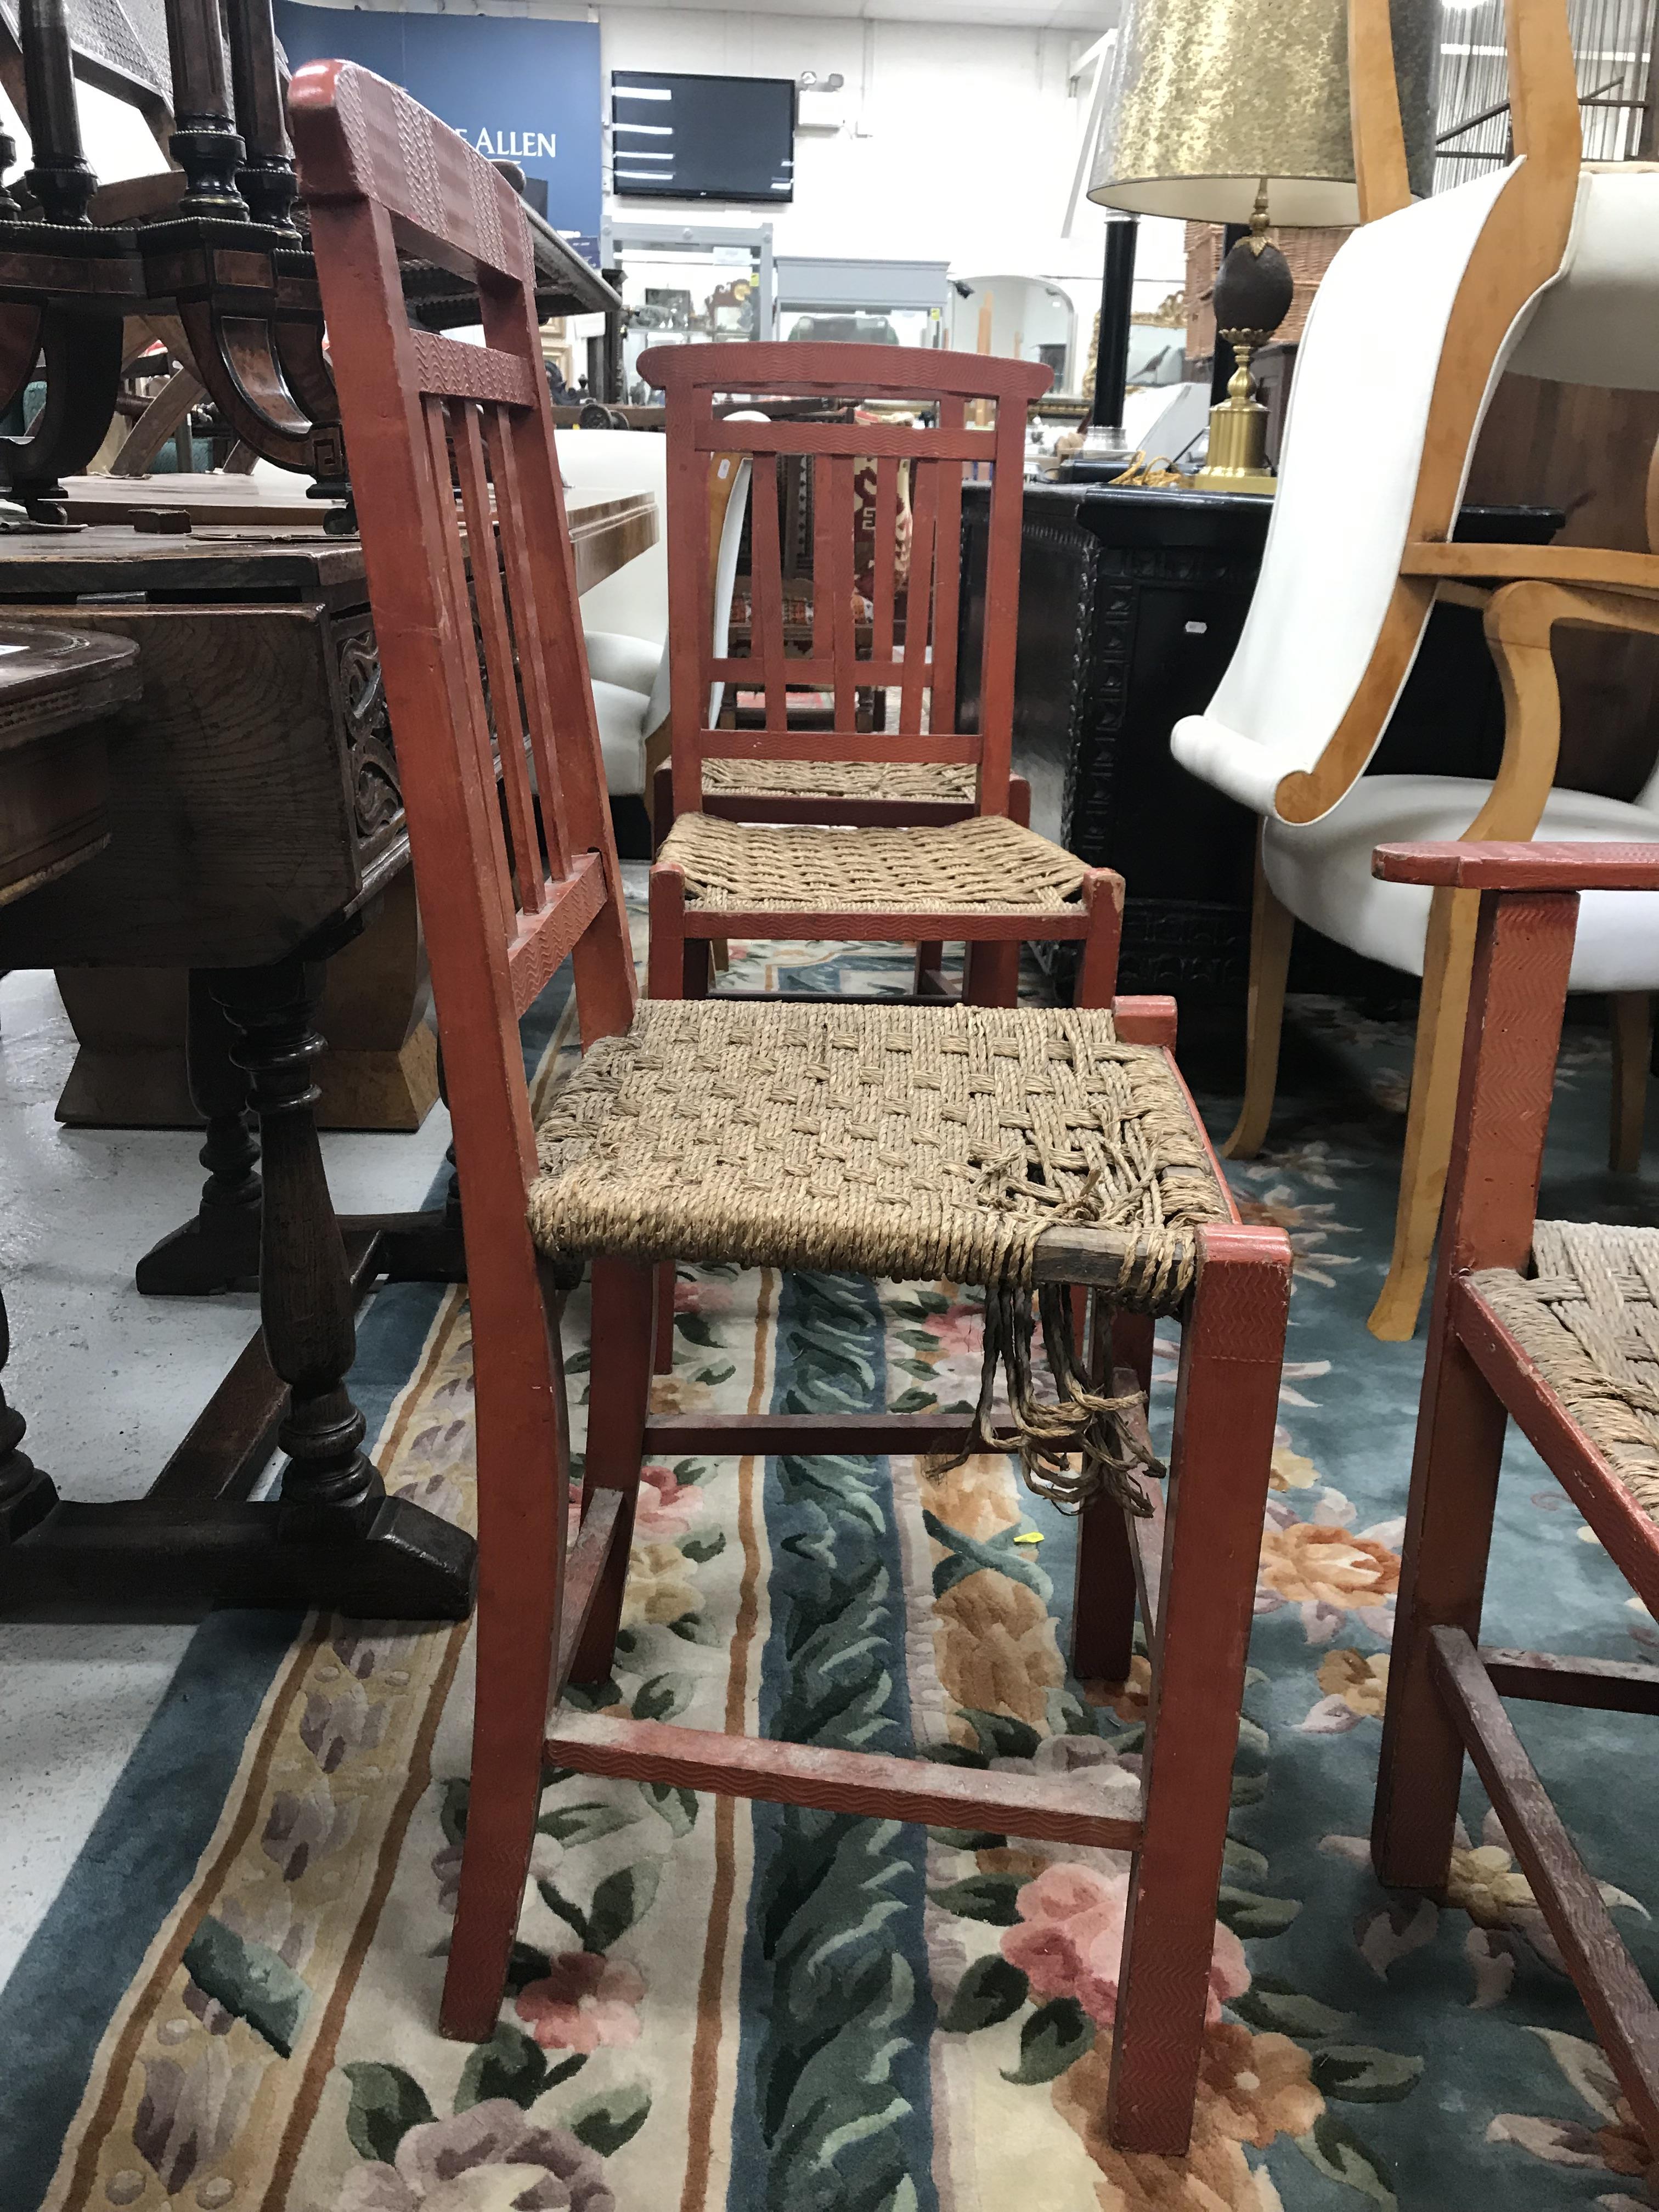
61,695
60,690
254,819
1131,603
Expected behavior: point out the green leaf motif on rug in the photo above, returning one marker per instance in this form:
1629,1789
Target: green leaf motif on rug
621,1899
1000,1736
452,1809
990,1897
582,1824
1055,2036
525,1964
386,2104
678,1806
913,1400
561,1906
248,1979
660,1698
965,1556
1364,2075
991,1991
1274,2005
511,2065
1247,1913
605,2123
1335,2151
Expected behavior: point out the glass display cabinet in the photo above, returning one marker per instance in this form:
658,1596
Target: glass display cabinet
862,302
687,284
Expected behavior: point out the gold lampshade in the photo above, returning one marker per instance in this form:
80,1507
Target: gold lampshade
1207,97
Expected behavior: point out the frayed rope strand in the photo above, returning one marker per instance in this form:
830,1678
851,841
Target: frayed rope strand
1078,1420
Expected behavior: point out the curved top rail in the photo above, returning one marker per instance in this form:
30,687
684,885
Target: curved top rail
360,138
889,372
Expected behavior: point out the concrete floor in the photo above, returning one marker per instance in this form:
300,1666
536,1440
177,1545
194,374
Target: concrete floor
108,1382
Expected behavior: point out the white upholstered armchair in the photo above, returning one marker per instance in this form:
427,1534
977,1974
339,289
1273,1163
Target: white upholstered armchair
1543,267
625,618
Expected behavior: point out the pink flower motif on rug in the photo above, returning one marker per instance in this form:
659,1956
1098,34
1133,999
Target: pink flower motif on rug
529,2167
584,2001
1070,1940
960,1332
664,1508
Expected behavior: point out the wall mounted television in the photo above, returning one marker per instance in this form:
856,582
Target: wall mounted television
676,137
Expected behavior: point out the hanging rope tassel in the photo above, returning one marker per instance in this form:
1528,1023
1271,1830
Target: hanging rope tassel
1079,1421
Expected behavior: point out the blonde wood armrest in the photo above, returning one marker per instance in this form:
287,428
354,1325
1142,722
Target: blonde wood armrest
1379,141
1603,567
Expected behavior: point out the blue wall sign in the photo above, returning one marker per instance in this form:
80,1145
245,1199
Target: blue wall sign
520,90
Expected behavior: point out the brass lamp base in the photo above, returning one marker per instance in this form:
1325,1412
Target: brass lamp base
1238,458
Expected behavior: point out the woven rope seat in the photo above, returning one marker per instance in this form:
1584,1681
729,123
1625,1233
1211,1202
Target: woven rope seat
773,779
987,864
1589,1320
915,1142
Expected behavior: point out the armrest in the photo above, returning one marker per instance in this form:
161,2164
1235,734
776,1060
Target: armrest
1535,867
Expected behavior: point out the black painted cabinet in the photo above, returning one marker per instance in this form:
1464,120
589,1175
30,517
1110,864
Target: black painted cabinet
1131,603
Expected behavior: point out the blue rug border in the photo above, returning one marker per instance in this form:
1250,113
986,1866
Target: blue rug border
158,1819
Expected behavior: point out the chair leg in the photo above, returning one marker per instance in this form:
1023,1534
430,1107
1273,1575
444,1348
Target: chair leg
1097,975
662,1361
1448,959
1449,1524
620,1392
1103,1591
991,975
1632,1019
1232,1348
664,966
930,959
524,1484
1273,926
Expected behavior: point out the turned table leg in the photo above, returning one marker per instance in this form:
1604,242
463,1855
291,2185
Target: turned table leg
219,1250
333,1538
306,1300
26,1496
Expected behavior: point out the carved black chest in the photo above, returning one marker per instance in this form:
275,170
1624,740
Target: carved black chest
1131,604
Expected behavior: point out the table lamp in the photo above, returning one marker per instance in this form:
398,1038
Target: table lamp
1237,112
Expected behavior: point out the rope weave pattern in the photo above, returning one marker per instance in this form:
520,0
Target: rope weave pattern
915,1142
987,864
1589,1321
840,779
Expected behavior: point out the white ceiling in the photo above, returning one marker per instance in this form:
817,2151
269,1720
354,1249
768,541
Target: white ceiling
1092,15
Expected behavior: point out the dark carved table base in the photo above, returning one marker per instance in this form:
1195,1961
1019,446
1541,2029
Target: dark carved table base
332,1538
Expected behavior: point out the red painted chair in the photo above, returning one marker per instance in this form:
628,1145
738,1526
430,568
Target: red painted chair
1555,1326
930,843
425,418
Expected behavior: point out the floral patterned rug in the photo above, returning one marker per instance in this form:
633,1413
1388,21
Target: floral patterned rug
230,2008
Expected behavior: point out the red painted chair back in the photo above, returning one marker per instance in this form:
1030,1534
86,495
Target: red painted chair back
923,666
451,449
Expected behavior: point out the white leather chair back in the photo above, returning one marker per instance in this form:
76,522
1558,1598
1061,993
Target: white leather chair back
1599,322
1353,442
